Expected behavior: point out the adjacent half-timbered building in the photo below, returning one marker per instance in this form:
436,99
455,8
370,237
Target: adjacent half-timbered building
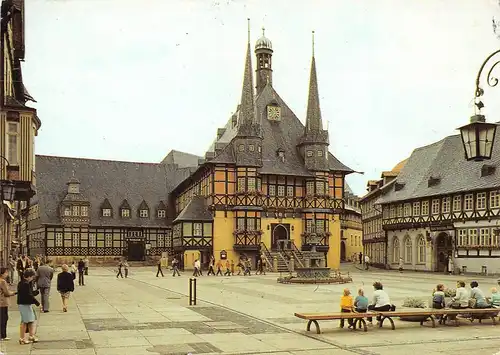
374,236
104,209
443,207
269,183
19,125
351,232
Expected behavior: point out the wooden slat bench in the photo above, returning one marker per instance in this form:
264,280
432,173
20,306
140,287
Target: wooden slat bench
313,318
430,314
471,314
426,314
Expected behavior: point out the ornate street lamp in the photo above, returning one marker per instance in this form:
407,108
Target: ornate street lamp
8,191
7,187
478,136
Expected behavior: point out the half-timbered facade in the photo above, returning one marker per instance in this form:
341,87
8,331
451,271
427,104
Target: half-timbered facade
19,126
442,207
374,236
351,231
104,209
268,182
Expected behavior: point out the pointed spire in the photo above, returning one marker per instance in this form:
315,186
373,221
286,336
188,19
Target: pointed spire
247,112
313,118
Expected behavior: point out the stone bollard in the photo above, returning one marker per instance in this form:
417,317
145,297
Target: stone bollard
275,263
292,265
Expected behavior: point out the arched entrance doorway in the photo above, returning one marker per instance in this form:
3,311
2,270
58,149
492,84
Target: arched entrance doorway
280,237
342,251
444,248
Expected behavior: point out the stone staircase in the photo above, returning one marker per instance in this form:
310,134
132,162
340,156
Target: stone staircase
282,264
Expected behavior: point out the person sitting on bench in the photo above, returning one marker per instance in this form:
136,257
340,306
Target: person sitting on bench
380,302
461,299
477,294
346,306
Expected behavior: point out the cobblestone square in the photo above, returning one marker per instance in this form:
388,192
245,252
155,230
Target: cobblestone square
145,315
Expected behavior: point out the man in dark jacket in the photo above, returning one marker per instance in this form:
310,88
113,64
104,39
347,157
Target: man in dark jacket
81,271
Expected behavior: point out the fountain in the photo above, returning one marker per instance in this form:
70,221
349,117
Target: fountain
314,270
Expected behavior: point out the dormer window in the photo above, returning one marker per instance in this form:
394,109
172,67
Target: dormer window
125,213
161,213
310,153
251,148
143,213
241,148
84,210
320,153
67,211
76,210
106,212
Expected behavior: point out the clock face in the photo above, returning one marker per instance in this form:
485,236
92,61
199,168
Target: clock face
274,113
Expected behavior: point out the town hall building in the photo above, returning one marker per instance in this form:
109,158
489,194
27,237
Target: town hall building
268,184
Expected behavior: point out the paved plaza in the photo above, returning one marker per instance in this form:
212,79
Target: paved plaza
145,315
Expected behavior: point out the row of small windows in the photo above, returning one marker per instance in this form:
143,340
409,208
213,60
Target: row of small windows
125,213
310,153
355,240
248,223
372,226
252,184
446,205
76,211
251,148
477,237
316,226
75,240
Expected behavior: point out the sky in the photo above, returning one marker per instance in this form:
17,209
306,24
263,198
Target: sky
132,80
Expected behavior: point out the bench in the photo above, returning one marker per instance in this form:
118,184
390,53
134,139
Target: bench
471,314
426,314
313,318
430,314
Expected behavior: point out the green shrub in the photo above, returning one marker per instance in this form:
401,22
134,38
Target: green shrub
450,292
412,302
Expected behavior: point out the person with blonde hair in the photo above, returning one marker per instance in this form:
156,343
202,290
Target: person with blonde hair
495,298
346,306
65,285
361,302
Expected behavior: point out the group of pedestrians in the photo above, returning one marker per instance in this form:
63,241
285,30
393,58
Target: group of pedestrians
31,284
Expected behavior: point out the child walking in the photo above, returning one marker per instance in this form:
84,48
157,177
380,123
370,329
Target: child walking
346,306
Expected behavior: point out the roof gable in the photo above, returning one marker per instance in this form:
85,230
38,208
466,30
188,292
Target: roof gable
444,163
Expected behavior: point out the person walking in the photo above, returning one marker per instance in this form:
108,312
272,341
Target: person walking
120,265
125,266
228,269
367,262
12,268
159,271
81,271
44,277
65,285
401,264
86,262
25,301
219,266
21,265
211,267
175,267
73,269
5,295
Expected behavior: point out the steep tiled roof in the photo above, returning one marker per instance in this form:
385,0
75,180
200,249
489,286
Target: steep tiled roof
181,159
284,134
101,180
195,210
443,160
